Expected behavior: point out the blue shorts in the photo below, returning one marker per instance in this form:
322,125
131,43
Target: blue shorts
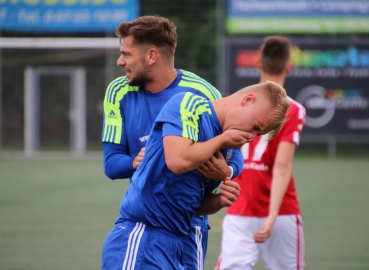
195,244
134,245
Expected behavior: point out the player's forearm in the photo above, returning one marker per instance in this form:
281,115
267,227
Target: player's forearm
281,179
209,205
117,165
181,158
237,162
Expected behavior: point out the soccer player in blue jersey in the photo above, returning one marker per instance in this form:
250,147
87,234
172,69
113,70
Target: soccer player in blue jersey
167,190
132,103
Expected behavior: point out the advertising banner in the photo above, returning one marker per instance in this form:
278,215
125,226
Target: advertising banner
297,16
66,15
329,78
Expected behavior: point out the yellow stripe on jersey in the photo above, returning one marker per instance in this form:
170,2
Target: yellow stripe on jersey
191,80
192,106
113,122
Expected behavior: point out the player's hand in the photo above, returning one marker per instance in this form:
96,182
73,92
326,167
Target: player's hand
265,231
137,160
229,192
215,168
235,139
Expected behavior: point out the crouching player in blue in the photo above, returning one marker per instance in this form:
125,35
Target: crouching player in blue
166,190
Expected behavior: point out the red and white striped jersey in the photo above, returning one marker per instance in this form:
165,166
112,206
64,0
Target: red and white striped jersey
256,177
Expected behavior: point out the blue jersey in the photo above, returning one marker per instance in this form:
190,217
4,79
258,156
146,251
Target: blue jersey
130,111
157,196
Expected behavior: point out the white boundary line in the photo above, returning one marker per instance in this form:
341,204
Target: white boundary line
59,43
50,155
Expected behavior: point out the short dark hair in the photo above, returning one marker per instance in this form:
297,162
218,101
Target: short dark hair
275,52
151,30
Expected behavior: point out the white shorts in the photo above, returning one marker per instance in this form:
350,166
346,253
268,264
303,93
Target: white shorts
284,250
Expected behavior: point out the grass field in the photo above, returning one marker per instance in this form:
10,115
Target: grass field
55,214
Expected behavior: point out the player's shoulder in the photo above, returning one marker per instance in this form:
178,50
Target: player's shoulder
118,88
296,109
187,97
186,101
120,83
190,75
199,85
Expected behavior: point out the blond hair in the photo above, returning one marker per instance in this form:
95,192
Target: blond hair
278,97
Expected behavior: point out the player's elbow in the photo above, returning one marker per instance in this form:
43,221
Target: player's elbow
282,168
111,175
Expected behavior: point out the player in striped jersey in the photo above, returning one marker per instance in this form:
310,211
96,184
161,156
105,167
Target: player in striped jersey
132,103
167,190
265,221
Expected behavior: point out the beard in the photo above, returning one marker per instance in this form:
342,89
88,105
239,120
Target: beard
141,79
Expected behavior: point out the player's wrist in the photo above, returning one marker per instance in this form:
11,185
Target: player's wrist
272,217
231,173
